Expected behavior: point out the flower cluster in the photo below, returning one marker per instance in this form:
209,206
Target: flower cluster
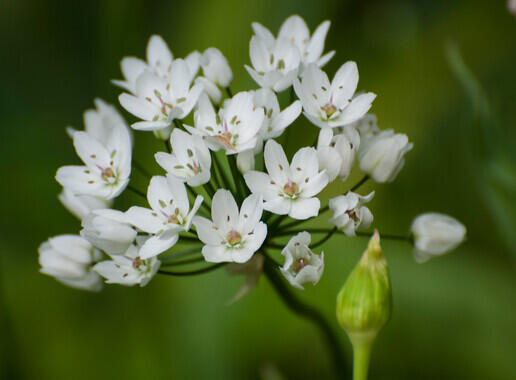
228,191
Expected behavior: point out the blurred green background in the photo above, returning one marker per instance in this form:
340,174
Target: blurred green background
453,318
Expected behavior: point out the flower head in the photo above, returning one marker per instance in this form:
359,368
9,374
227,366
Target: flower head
129,268
232,235
189,161
435,234
329,105
349,212
69,259
289,189
169,214
301,264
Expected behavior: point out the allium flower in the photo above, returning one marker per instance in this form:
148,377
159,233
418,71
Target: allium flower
435,234
275,62
216,73
189,161
289,189
81,205
129,268
107,164
301,264
232,236
349,212
234,129
170,214
332,105
69,258
381,155
336,152
159,101
108,230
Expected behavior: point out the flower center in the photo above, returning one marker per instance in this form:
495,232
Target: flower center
300,264
329,109
137,262
233,237
290,188
173,219
107,174
225,138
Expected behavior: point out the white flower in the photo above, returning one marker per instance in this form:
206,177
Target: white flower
69,258
234,129
275,62
107,164
159,61
289,189
349,212
251,270
190,159
381,156
129,268
215,67
170,214
108,230
436,234
336,153
232,236
81,205
245,160
301,264
332,105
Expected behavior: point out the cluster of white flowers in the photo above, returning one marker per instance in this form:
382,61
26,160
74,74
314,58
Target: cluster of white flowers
229,205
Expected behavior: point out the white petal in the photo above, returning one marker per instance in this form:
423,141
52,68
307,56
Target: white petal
144,219
316,45
354,110
216,253
344,84
224,210
206,231
276,162
278,205
305,208
158,244
158,53
286,117
250,213
304,165
314,185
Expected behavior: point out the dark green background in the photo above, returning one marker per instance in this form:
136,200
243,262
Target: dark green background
453,318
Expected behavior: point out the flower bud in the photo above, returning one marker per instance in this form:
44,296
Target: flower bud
364,302
435,234
216,67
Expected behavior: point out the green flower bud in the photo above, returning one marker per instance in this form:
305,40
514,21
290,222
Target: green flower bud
364,302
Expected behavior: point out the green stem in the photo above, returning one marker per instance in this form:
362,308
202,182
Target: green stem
209,189
183,262
221,172
298,222
141,169
205,204
307,312
137,192
361,357
193,272
324,239
236,177
228,91
360,183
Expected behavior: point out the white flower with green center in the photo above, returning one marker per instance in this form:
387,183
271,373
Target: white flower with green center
189,161
81,205
289,189
295,30
107,164
329,105
108,230
381,155
233,235
159,62
336,152
436,234
129,268
169,214
235,128
69,258
349,212
159,101
301,264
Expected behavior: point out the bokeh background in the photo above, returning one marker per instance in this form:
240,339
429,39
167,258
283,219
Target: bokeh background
453,318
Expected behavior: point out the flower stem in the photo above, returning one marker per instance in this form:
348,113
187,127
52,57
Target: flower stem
324,239
228,91
361,357
307,312
137,192
221,172
360,183
183,262
236,178
141,169
193,272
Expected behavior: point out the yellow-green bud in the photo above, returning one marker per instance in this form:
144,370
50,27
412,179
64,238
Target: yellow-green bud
364,302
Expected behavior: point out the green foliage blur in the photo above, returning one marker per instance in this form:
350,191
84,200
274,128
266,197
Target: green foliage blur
452,318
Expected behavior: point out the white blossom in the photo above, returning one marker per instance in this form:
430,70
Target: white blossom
235,128
190,160
169,214
336,152
217,73
107,164
69,259
108,230
332,104
301,264
349,212
435,234
130,268
81,205
289,189
381,155
233,235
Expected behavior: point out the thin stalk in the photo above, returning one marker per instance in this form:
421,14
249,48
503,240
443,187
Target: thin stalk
193,272
236,177
182,253
184,239
310,230
137,192
221,172
360,183
168,147
298,222
228,91
183,262
209,189
361,358
324,239
141,169
205,204
385,236
309,313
